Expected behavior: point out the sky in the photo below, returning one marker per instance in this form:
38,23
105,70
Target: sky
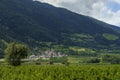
104,10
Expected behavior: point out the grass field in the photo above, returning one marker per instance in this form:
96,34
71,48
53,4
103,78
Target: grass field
78,59
55,72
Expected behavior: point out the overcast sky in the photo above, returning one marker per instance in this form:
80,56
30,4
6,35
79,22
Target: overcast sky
105,10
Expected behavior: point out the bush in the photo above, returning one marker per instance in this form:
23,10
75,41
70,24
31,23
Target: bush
51,63
113,59
38,63
94,60
62,60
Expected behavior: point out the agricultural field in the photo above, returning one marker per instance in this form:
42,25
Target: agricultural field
78,59
61,72
85,65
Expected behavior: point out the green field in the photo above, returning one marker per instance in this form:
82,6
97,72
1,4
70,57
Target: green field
110,36
78,59
55,72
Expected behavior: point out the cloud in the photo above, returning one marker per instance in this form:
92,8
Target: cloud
94,8
112,18
57,3
118,1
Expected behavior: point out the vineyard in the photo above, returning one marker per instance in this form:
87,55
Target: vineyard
55,72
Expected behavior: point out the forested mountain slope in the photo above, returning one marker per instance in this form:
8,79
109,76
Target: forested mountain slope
33,22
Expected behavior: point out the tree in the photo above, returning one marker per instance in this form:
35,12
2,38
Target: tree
113,59
94,60
15,52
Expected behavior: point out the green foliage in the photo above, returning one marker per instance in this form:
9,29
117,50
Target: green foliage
83,72
37,62
82,51
42,61
62,60
113,59
15,52
94,60
3,45
110,36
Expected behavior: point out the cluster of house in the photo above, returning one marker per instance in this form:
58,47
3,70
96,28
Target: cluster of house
46,55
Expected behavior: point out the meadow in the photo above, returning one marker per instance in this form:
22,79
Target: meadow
60,72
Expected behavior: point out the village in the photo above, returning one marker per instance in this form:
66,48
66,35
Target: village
47,55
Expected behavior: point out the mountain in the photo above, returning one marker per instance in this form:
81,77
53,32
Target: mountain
35,23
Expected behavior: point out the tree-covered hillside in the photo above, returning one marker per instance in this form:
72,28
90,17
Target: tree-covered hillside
33,23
